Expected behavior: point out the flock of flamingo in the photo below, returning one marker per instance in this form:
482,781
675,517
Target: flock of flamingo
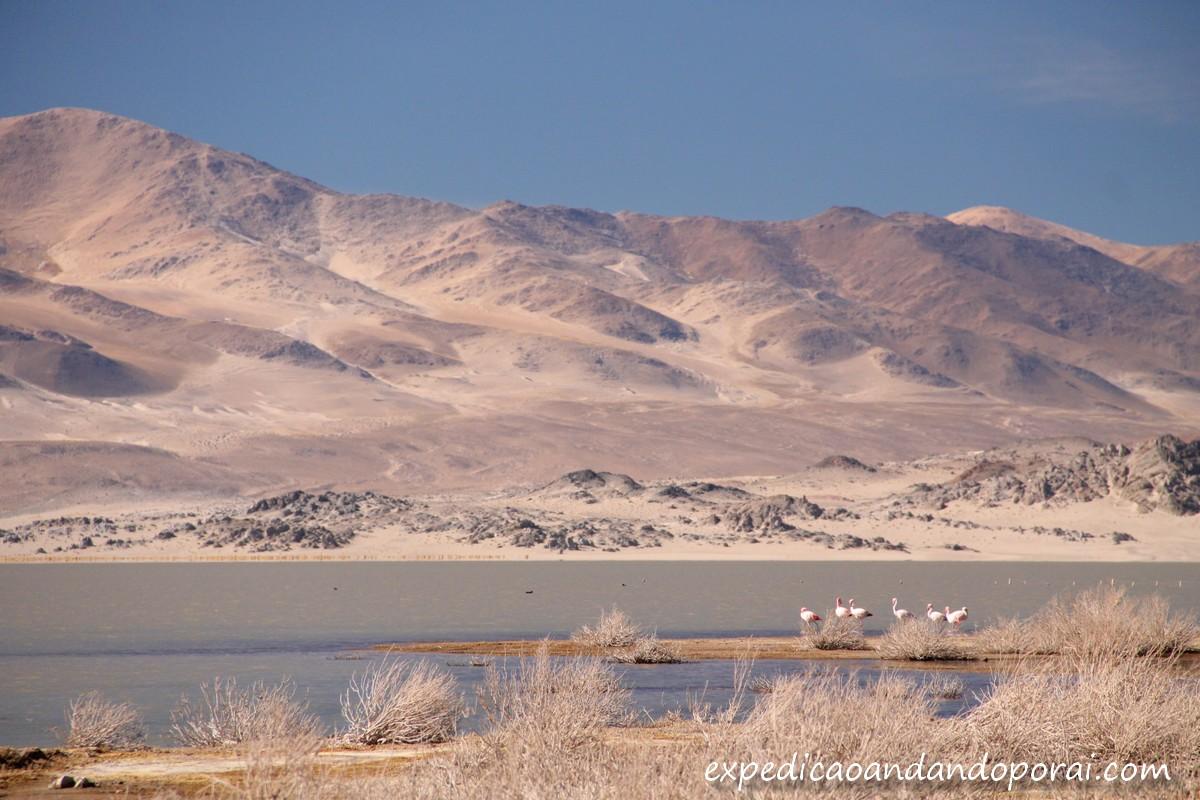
955,618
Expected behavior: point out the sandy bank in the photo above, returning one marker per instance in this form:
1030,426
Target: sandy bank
783,648
185,770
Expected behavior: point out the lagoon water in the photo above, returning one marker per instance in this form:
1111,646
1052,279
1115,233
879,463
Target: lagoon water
146,633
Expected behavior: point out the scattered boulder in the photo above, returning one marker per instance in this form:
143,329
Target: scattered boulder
20,758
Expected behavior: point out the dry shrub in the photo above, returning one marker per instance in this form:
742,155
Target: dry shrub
762,684
649,650
705,713
1006,635
920,640
1097,621
1105,707
1105,620
601,771
614,629
93,721
837,633
546,705
548,719
944,687
276,769
284,769
834,713
398,702
227,715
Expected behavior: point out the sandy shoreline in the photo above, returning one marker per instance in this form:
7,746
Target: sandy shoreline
715,554
728,648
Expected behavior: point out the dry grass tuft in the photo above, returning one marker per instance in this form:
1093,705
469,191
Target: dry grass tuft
842,716
721,718
944,687
1006,635
552,705
1095,622
762,684
276,769
614,629
921,640
837,633
398,702
279,769
1093,707
93,721
649,650
227,715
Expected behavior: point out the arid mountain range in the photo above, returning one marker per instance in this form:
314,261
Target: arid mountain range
182,322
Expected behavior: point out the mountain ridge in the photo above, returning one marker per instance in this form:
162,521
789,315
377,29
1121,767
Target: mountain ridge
285,311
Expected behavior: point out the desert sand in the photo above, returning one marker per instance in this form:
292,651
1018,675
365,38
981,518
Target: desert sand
1051,500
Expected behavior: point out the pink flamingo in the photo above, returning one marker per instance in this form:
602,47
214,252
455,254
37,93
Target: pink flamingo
808,617
902,614
956,618
857,612
841,611
934,616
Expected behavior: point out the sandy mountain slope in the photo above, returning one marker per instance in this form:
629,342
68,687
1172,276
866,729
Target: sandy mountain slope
1179,263
161,293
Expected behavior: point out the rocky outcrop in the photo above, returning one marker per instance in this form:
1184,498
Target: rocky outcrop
590,484
843,462
328,505
1163,473
906,369
1160,474
300,519
509,527
767,514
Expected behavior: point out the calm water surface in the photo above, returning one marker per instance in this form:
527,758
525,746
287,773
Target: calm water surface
146,633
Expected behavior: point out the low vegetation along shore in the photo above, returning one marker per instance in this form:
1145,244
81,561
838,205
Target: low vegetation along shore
1095,678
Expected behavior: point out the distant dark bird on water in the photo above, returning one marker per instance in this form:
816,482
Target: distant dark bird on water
529,591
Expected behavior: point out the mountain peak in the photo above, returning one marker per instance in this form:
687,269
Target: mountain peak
1008,220
70,117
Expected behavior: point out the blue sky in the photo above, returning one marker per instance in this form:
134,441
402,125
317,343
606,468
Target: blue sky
1083,113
